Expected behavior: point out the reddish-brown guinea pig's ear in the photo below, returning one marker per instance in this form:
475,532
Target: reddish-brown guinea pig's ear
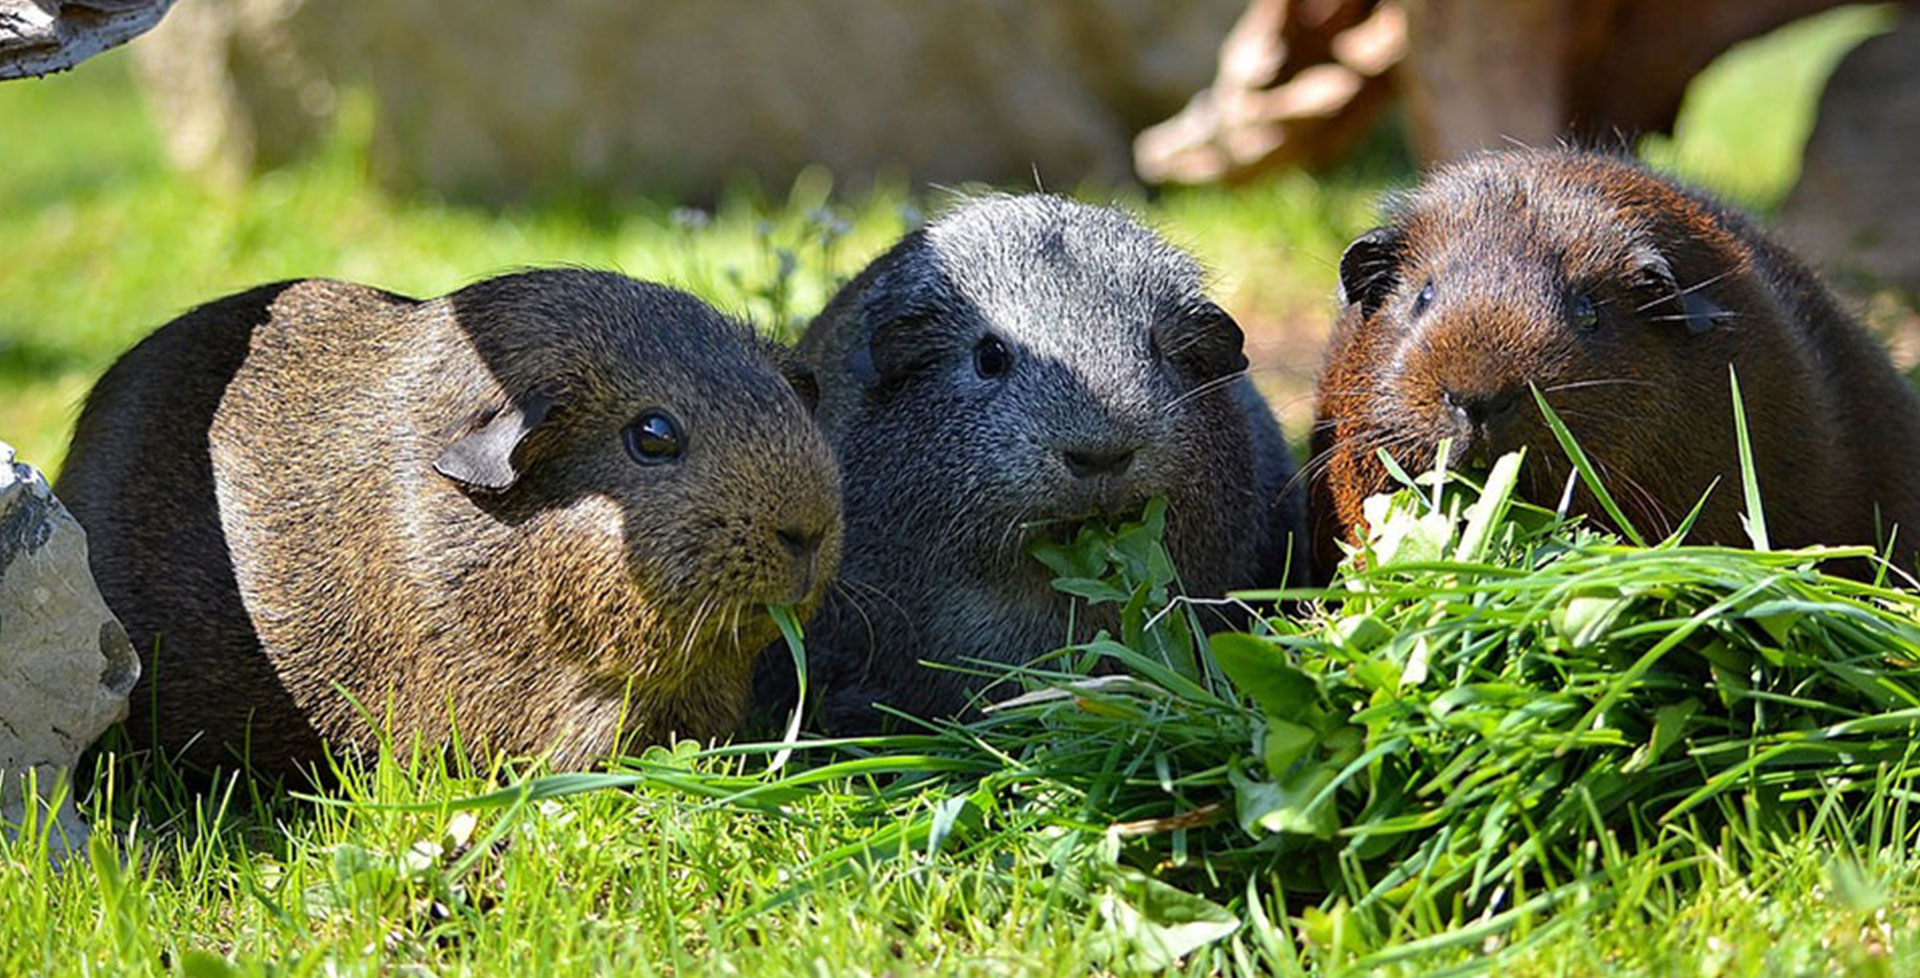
487,457
1678,302
1370,268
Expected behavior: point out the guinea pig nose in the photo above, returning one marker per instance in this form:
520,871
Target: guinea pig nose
1087,462
799,541
1477,408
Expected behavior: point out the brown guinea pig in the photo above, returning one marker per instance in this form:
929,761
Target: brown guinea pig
551,505
1624,299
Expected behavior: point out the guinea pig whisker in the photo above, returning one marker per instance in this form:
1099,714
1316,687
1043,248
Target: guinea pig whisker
953,529
902,618
700,615
1021,527
852,600
1651,513
1282,365
1721,316
851,587
1208,387
1683,292
1573,385
1305,473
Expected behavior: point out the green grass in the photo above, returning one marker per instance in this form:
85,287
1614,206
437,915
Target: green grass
990,849
1607,760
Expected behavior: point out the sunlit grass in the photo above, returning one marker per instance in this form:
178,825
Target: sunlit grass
1017,846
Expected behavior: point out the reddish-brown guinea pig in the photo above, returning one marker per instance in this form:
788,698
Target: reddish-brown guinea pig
1623,299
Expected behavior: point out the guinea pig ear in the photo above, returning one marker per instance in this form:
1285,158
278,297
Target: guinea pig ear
1689,304
1370,268
482,459
1203,342
893,349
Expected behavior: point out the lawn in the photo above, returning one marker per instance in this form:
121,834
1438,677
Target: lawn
995,850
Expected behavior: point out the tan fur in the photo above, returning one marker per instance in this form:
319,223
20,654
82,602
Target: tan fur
258,480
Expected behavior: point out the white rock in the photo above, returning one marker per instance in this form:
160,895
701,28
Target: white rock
39,36
66,666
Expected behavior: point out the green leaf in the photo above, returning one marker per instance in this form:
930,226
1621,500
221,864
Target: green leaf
1669,722
1092,589
1284,806
1406,532
795,637
1286,742
1361,633
205,964
1487,512
1585,618
1148,925
1260,669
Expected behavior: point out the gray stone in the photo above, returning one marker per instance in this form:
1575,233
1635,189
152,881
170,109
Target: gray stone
66,666
39,36
1856,207
497,100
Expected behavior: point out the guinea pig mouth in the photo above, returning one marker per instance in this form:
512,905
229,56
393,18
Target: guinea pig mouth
1059,531
1063,525
1475,446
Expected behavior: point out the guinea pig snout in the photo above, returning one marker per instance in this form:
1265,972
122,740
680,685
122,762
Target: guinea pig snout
802,543
1090,460
803,554
1485,418
1480,408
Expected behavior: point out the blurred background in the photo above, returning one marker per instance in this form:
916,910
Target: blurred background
757,152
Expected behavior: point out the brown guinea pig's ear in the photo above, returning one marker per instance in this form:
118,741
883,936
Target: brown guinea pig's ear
483,459
1370,268
1204,342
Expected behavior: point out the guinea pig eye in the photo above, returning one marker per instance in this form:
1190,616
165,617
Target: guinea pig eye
1424,299
1582,311
653,438
991,358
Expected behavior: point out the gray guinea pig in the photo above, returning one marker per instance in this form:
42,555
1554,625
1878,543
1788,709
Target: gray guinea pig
552,504
1023,364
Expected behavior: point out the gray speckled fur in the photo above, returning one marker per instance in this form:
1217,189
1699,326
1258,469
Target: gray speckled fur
946,473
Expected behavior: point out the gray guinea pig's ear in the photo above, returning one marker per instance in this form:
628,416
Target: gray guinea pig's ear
1204,343
1370,268
796,371
482,459
893,348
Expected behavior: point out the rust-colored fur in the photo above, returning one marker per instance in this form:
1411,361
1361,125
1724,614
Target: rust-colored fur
261,482
1512,249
